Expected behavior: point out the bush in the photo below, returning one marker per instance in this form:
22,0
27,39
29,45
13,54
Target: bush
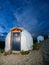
35,46
2,44
24,52
1,50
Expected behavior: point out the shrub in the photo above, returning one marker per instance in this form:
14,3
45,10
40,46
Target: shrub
24,52
1,50
35,46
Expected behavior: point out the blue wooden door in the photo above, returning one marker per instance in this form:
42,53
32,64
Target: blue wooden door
16,41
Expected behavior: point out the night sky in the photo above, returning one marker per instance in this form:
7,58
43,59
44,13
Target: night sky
32,15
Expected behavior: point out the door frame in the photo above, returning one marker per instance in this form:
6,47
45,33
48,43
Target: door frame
19,42
12,31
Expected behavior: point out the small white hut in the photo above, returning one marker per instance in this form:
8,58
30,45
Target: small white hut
40,38
18,39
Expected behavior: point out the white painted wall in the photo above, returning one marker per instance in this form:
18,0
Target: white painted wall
7,42
26,41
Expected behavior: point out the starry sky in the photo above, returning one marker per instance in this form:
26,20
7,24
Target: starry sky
32,15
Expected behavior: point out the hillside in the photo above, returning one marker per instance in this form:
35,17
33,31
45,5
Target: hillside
35,57
45,51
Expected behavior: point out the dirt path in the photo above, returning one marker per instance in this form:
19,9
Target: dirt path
33,58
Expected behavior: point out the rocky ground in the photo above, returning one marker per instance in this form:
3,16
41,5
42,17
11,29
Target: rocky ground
33,58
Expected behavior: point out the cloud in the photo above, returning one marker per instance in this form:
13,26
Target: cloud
32,15
26,19
2,29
